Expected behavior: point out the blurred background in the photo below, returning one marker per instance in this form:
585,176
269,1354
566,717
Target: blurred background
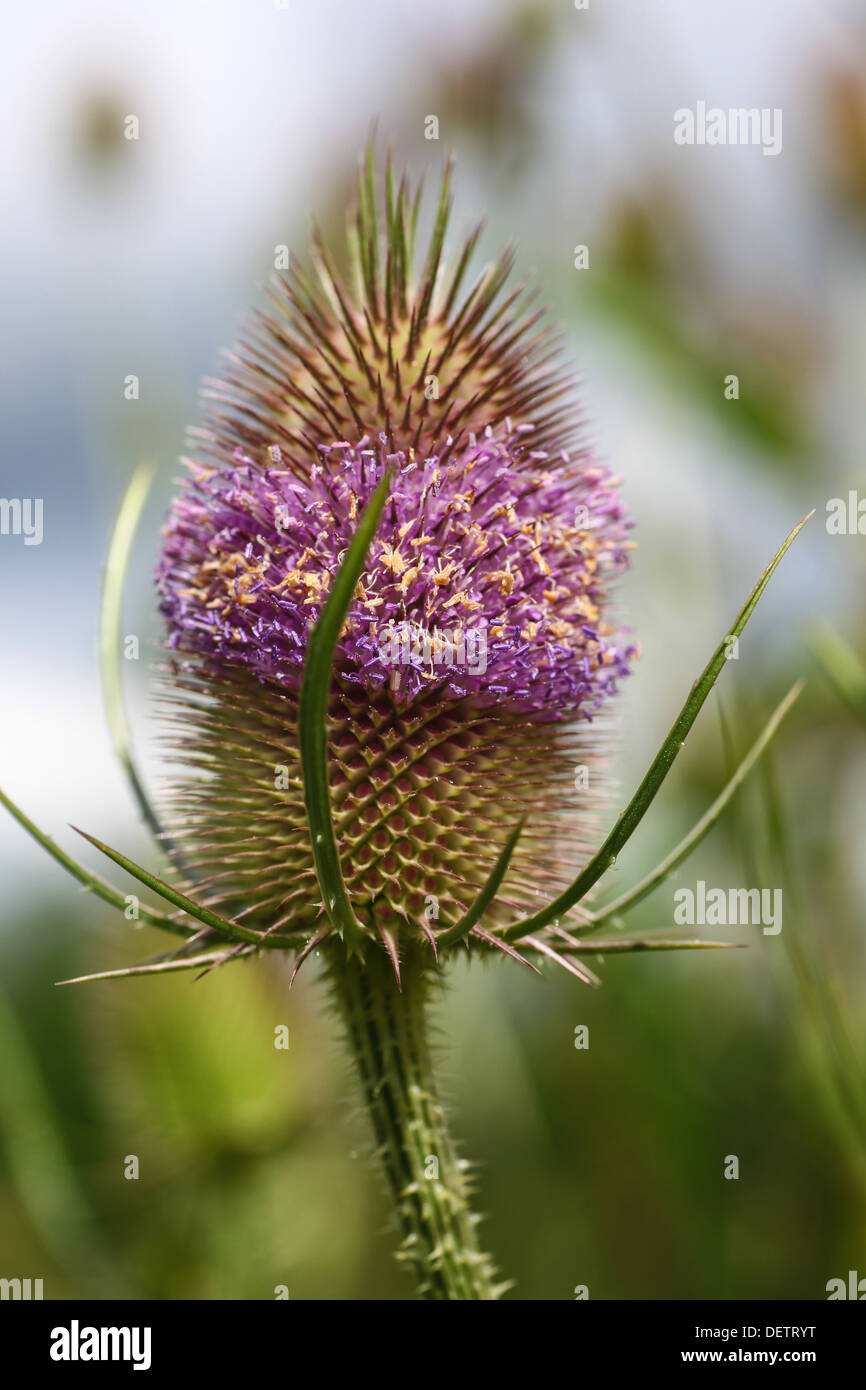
602,1167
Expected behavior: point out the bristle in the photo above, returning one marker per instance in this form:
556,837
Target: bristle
389,941
307,951
311,371
496,941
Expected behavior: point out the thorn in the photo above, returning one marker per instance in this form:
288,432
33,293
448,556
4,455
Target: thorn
425,927
391,947
509,950
310,946
581,971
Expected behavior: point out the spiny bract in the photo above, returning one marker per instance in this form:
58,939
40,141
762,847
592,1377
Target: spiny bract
476,648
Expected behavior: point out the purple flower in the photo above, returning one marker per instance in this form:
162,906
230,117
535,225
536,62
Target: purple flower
488,577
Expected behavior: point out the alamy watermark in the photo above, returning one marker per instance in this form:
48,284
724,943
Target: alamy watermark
77,1343
738,125
22,516
23,1290
846,516
411,644
731,907
854,1287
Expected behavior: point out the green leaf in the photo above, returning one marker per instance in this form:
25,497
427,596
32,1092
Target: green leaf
698,831
451,935
171,895
111,631
96,885
659,768
313,721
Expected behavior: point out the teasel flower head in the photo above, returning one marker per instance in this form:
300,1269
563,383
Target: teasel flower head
387,585
480,643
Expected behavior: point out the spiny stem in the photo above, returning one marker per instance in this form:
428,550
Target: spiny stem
386,1029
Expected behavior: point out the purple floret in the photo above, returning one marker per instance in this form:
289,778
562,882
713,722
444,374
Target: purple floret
488,576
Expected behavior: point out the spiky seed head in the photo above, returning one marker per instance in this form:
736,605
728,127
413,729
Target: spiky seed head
479,643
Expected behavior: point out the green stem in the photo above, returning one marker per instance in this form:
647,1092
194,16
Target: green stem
387,1034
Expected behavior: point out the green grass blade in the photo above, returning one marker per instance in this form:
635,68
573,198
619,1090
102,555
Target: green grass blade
842,667
171,895
659,768
313,720
738,824
460,929
111,632
840,1062
698,831
609,948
